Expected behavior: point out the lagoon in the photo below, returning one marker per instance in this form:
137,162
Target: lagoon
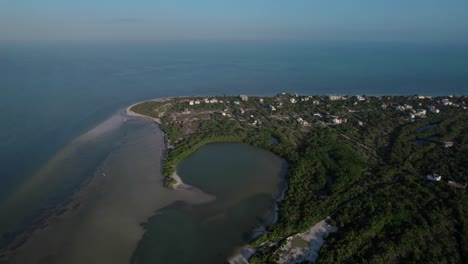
245,181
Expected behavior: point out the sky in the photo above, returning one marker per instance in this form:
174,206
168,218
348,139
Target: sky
152,20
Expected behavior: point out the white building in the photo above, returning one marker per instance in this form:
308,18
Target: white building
214,101
292,100
446,102
244,97
191,102
338,120
302,122
335,97
434,177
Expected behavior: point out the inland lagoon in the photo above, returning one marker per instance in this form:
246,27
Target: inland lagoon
245,182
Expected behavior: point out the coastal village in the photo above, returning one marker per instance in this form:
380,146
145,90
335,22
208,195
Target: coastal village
387,131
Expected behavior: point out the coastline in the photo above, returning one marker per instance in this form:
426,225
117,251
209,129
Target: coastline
129,112
179,183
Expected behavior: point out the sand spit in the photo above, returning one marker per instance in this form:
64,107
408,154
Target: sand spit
307,245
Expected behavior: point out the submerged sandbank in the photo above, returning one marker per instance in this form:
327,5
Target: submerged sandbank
106,224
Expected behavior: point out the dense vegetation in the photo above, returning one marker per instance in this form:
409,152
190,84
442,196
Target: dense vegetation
367,174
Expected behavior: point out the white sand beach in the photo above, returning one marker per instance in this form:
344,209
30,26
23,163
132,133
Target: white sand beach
311,242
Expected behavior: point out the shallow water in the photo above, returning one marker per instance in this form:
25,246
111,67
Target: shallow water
125,191
245,181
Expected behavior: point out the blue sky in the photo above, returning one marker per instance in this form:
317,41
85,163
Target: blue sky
143,20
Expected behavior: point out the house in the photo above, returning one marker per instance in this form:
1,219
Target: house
434,177
457,185
244,97
338,120
206,101
335,97
191,102
214,101
315,102
318,115
420,113
407,106
447,144
237,102
272,108
292,100
424,97
446,102
433,109
359,98
399,108
302,122
260,100
197,102
360,123
383,106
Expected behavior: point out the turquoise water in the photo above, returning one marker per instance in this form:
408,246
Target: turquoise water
245,182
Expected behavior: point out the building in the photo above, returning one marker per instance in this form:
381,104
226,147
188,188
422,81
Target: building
446,102
197,102
338,120
302,122
315,102
244,97
433,109
292,100
260,100
191,102
272,108
399,108
457,185
335,97
420,113
447,144
236,102
434,177
214,101
360,98
407,106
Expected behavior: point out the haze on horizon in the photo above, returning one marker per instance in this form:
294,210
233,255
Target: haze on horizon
427,21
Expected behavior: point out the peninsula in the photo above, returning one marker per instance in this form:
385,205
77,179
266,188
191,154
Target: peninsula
387,173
